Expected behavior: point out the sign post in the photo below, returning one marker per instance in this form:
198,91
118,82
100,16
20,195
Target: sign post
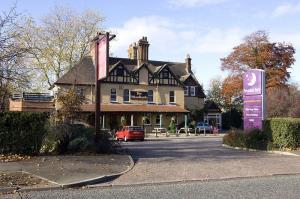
101,64
254,85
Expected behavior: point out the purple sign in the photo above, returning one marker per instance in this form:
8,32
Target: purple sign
254,97
252,83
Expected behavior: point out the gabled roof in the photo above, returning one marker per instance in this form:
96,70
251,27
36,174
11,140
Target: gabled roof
83,73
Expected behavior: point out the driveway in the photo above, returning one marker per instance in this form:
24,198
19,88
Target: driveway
199,158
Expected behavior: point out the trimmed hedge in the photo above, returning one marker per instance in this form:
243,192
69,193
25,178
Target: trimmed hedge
254,138
283,132
22,132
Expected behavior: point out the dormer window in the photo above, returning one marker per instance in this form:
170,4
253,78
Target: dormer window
120,71
165,74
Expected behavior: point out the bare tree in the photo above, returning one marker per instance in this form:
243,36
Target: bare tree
60,40
13,73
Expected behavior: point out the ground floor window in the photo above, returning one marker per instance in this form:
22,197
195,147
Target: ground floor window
147,119
157,119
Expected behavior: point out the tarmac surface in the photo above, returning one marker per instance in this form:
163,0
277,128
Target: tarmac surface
275,187
199,158
69,169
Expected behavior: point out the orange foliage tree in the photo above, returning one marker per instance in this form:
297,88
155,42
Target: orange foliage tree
257,52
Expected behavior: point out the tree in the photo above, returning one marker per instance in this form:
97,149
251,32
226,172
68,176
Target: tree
13,72
257,52
214,92
70,102
60,40
283,102
232,91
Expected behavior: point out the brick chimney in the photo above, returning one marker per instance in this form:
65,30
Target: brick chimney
188,64
132,51
142,51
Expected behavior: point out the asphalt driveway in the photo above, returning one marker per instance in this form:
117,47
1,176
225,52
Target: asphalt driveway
199,158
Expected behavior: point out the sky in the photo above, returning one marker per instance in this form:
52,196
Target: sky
207,30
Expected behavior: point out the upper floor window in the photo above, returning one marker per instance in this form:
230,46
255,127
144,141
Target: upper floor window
193,90
126,95
186,91
172,96
165,74
113,95
150,96
120,71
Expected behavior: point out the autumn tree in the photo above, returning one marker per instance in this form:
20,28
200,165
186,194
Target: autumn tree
283,102
13,72
257,52
70,105
60,40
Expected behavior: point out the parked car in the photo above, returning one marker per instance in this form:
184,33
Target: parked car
204,126
131,133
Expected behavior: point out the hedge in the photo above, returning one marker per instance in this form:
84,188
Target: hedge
283,132
22,132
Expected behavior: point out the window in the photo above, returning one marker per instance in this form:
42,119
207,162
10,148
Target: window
193,91
186,91
126,95
147,119
113,95
157,120
172,96
80,92
150,96
165,74
120,71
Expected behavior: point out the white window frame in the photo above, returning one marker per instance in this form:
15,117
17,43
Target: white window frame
158,115
111,94
174,102
150,102
193,90
148,115
128,96
186,91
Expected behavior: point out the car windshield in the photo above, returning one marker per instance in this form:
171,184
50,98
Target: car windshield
202,124
135,128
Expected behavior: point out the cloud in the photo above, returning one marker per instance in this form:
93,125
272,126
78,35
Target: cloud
193,3
286,9
172,39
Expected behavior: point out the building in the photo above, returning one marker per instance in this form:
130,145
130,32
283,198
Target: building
143,91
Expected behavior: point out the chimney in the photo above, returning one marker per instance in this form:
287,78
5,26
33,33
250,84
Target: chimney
142,51
188,64
132,51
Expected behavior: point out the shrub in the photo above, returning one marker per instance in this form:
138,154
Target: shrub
235,138
283,132
253,138
71,138
22,132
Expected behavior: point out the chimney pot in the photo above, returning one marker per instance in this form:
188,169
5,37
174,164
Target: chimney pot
188,64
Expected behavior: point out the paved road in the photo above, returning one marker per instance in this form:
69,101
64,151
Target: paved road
198,158
265,187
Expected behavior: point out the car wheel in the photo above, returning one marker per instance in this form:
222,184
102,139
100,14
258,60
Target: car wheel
125,139
142,139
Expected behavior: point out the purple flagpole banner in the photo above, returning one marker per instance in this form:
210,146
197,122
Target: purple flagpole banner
254,96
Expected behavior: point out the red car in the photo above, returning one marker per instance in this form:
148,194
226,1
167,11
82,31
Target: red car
131,133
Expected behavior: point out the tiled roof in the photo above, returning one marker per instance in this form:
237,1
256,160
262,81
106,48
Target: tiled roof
83,73
134,108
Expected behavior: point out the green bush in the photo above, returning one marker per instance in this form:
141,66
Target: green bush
22,132
253,138
283,132
235,138
71,138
